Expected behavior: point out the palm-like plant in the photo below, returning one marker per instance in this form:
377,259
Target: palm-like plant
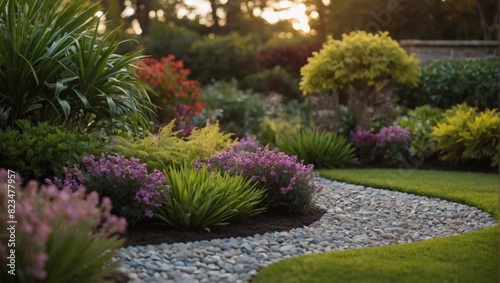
54,67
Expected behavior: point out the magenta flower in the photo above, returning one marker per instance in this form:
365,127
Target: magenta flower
125,181
289,183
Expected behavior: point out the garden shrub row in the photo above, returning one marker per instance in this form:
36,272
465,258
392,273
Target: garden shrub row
446,83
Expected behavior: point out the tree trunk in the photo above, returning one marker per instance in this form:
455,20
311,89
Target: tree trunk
325,112
215,27
322,24
143,7
488,29
359,104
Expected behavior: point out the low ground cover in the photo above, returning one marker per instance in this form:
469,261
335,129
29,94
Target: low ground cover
472,257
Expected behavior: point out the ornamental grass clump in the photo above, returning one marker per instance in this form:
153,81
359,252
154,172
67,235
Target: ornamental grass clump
389,147
60,235
133,190
289,183
199,198
323,149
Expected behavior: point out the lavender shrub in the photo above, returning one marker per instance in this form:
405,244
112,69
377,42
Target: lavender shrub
289,184
389,147
133,191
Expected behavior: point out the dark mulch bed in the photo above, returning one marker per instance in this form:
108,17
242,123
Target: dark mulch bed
153,232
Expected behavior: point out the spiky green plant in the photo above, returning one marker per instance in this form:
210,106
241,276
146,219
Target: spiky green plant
198,198
323,149
55,67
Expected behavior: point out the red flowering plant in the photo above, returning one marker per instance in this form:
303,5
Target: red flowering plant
177,96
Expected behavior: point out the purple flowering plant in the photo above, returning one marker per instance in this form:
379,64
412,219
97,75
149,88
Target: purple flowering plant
390,146
248,143
50,224
289,183
133,191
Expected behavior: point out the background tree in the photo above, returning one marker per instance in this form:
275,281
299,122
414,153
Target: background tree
360,65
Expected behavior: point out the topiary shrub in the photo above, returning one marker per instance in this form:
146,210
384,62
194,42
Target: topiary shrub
289,184
360,65
60,236
322,149
446,83
198,198
41,151
55,67
466,134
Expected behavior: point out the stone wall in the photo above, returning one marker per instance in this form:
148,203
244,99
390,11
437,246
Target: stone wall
430,50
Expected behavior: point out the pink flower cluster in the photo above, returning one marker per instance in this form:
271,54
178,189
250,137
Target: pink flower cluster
386,136
389,147
129,175
248,143
279,173
41,211
392,134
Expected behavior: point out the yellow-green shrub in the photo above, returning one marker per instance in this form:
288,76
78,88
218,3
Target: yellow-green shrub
360,64
271,127
168,149
464,134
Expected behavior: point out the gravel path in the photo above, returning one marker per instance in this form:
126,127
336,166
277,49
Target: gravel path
357,217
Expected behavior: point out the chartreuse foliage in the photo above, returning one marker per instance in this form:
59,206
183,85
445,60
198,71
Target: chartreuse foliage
55,67
41,151
198,198
466,134
360,60
270,128
323,149
420,122
472,257
61,236
168,149
360,65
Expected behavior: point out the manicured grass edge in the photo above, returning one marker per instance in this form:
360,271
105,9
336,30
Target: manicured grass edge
471,257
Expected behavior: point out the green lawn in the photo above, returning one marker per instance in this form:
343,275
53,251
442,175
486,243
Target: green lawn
472,257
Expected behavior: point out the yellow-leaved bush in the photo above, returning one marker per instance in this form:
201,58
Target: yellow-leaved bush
466,134
166,148
361,64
